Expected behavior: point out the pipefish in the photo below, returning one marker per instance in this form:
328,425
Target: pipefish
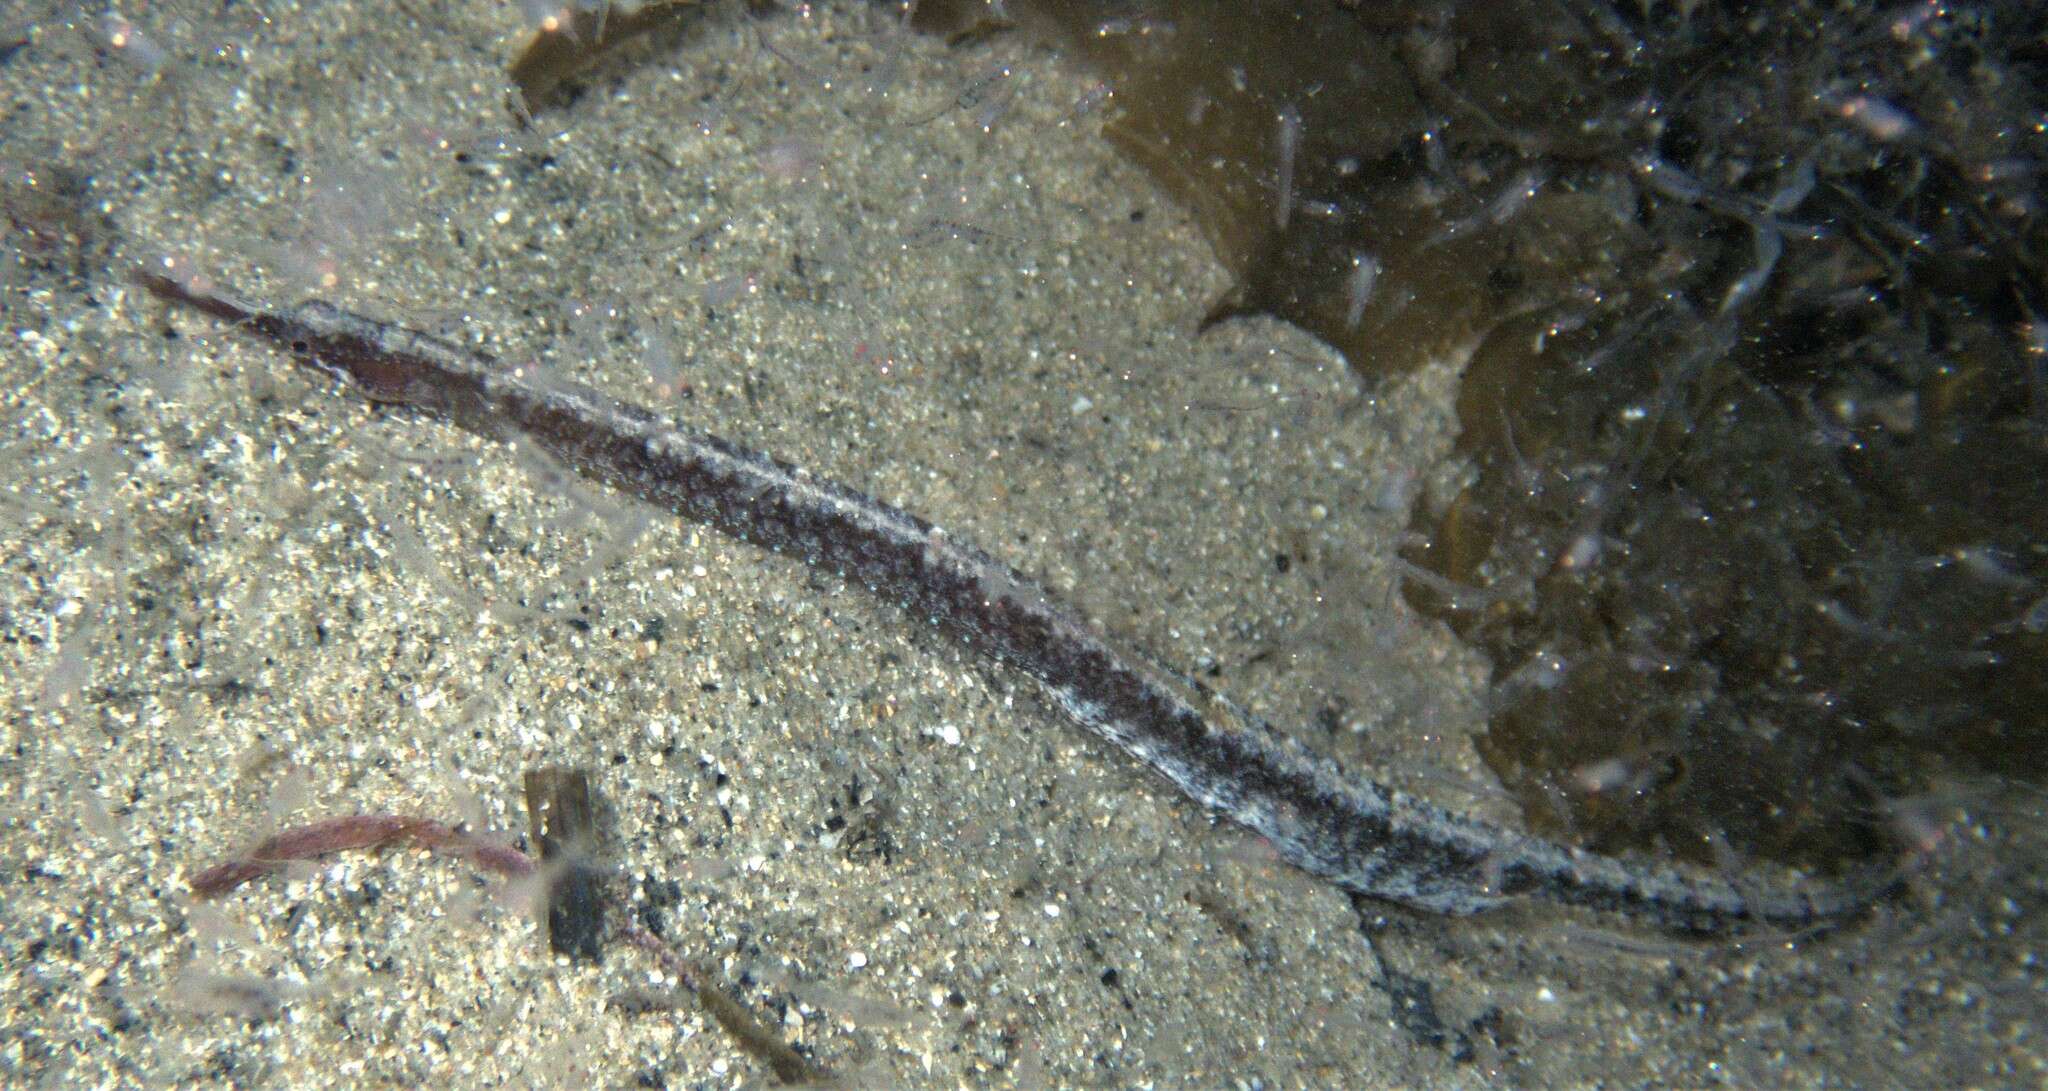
1357,834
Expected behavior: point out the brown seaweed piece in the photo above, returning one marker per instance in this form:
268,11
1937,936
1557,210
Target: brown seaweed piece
562,820
588,37
1323,149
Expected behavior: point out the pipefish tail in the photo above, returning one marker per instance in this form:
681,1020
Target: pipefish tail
1359,835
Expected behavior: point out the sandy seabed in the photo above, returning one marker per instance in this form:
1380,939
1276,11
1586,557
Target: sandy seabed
232,599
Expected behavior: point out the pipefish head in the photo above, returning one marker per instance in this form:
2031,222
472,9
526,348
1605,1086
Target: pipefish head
360,351
319,334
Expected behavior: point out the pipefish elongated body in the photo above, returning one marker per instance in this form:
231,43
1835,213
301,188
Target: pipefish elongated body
1359,835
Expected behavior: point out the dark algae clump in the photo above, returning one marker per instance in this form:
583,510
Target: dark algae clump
1764,521
1755,416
